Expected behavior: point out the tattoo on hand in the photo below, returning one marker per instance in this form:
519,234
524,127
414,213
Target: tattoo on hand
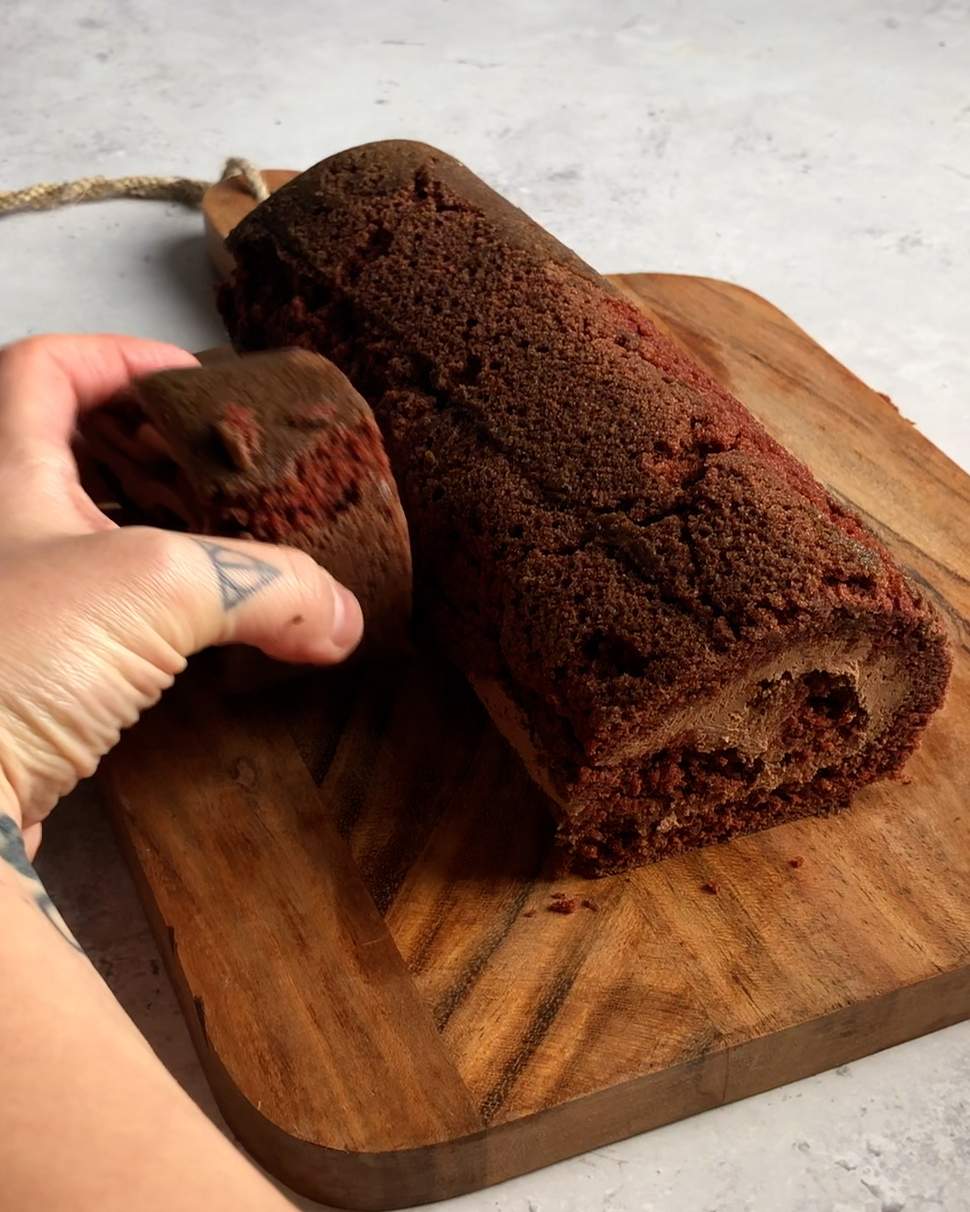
240,575
13,853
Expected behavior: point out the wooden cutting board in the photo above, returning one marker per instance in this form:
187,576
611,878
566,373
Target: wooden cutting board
349,879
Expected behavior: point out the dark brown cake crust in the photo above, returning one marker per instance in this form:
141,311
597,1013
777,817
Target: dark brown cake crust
277,447
681,632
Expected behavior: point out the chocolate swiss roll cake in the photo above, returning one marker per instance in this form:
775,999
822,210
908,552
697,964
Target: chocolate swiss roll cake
277,447
683,635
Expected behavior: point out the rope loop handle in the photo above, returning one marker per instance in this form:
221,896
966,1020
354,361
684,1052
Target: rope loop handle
49,195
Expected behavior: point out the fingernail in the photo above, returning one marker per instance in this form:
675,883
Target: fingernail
347,617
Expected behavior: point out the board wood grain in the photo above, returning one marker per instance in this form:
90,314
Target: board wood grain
350,876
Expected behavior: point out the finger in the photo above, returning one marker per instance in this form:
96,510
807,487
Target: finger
200,591
32,836
44,383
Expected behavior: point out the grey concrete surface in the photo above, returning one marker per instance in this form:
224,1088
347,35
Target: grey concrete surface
817,153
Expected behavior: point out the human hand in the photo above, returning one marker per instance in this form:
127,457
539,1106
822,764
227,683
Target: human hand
96,621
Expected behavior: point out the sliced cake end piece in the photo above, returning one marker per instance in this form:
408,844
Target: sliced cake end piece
277,447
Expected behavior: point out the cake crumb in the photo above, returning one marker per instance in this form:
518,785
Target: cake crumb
796,862
529,913
244,773
558,896
241,435
563,904
710,888
319,415
588,904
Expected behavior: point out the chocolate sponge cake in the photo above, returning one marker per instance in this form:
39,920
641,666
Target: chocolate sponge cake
277,447
684,636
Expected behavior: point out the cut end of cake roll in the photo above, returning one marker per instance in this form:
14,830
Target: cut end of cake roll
790,737
789,662
276,447
681,632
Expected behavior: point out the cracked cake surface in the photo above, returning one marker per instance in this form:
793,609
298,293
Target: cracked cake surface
684,636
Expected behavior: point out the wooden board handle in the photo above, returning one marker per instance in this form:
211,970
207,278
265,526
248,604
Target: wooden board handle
227,203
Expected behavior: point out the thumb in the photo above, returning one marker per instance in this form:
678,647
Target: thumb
198,591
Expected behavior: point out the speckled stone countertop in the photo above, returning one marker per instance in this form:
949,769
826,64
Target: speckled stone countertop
819,154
